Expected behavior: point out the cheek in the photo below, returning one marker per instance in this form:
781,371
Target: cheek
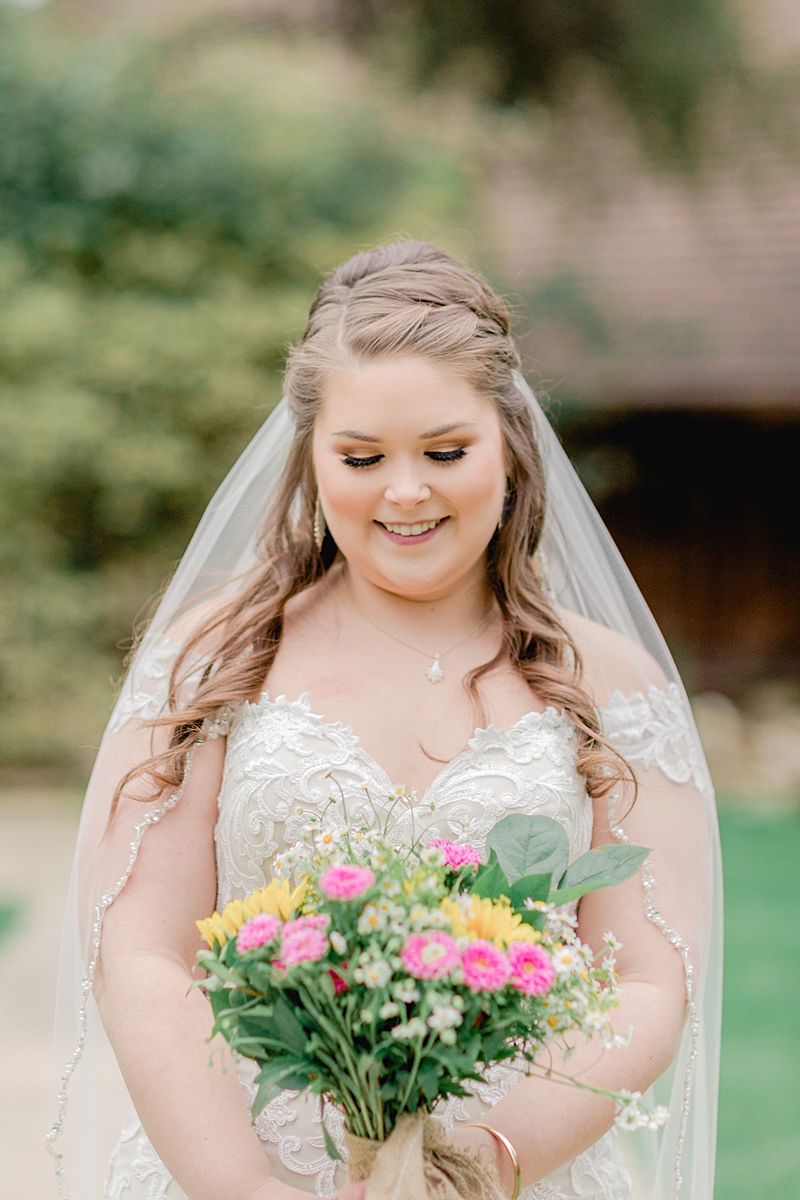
349,500
479,492
346,494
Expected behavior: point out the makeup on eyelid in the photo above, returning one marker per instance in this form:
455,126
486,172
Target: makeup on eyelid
372,460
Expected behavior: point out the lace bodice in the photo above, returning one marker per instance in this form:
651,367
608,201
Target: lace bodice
284,761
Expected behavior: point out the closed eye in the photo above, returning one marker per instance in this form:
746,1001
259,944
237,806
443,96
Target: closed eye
370,460
353,460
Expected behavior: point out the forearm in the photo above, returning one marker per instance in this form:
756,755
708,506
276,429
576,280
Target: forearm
549,1123
193,1113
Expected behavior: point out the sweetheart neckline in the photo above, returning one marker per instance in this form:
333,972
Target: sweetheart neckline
303,704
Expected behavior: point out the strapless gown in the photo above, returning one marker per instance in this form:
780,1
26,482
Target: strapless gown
278,757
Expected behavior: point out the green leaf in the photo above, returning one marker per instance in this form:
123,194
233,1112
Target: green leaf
532,917
218,998
325,985
529,846
211,984
287,1027
276,1075
259,975
491,880
428,1079
599,868
211,963
229,954
530,887
330,1144
257,1009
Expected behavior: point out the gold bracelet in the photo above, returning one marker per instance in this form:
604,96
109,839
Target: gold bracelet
509,1148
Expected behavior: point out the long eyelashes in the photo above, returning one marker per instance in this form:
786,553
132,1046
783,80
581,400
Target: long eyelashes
446,455
442,456
351,461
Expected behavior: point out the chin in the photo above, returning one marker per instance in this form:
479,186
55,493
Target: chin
426,584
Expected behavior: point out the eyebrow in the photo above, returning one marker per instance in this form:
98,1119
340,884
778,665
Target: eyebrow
354,435
357,436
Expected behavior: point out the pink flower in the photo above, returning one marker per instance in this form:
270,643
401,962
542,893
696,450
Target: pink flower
339,984
310,921
456,856
532,969
486,969
346,882
260,929
431,955
302,945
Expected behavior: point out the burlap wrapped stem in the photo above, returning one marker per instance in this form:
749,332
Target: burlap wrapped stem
417,1162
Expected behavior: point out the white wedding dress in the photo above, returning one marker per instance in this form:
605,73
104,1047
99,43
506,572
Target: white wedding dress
277,760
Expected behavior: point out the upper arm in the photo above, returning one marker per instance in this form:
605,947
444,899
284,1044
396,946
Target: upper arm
646,956
174,881
660,919
611,661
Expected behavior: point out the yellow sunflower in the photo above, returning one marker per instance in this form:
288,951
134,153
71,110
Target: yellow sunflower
277,898
493,920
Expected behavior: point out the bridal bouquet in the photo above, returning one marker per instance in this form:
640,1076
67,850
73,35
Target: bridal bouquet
394,972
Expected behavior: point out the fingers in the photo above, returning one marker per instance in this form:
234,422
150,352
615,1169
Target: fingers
352,1191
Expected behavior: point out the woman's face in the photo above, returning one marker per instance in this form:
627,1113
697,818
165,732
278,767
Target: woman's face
410,466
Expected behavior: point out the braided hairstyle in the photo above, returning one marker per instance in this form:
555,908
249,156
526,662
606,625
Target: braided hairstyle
408,298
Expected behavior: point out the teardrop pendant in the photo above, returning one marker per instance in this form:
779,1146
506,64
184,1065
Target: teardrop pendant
435,672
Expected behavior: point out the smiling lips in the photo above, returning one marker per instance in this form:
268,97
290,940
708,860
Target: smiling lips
418,532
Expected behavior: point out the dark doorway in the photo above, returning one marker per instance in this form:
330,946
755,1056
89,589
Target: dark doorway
704,507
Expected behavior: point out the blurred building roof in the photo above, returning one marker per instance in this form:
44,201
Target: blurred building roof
660,290
653,287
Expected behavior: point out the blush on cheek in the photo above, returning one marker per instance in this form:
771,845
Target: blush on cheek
480,500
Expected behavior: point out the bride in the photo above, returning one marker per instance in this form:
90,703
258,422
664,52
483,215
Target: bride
401,582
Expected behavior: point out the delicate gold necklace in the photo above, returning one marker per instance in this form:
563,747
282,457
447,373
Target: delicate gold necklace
435,672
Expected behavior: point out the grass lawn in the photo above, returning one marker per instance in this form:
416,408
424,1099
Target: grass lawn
758,1150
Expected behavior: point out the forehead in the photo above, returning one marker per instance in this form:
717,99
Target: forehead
402,393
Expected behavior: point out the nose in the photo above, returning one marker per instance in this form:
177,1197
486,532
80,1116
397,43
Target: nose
407,488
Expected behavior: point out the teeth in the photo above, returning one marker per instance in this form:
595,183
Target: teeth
412,530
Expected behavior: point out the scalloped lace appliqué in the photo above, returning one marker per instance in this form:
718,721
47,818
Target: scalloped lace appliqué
145,691
654,730
279,756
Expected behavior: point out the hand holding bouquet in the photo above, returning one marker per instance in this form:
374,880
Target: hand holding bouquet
394,972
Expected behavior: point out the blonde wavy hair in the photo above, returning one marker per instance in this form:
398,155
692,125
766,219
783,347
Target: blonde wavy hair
405,298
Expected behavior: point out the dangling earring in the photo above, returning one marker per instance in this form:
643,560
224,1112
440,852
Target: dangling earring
506,511
319,524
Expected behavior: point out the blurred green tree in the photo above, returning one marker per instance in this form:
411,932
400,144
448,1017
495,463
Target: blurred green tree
661,58
165,211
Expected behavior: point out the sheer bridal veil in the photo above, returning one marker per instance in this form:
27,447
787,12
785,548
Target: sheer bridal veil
646,716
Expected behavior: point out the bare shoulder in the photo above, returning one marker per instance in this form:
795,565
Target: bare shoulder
205,621
611,661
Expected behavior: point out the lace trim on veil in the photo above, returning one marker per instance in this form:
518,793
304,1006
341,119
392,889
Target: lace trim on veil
655,731
106,900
